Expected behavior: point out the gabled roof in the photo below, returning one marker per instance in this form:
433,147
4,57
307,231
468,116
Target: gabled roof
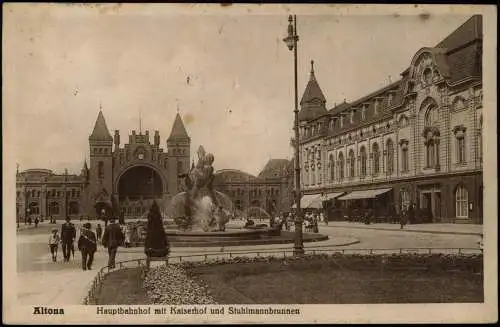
275,168
178,129
100,132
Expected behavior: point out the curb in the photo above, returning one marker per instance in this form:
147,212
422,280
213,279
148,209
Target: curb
408,230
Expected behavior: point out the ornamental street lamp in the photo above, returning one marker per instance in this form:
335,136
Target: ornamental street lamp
291,42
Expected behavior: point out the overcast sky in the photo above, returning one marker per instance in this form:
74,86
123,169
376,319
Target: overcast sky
61,63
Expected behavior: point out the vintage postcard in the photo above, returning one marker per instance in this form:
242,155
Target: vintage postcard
168,163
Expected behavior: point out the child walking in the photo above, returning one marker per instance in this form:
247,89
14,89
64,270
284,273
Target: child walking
54,240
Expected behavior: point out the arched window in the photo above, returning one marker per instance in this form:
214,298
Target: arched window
363,158
341,166
34,209
431,116
331,161
352,160
404,156
461,202
100,169
390,156
54,208
376,159
73,208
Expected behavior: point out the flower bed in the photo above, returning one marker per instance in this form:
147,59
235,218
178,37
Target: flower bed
171,285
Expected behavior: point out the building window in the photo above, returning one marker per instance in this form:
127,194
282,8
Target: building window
100,169
430,154
363,161
54,208
389,99
461,150
73,193
461,202
376,159
73,208
405,199
352,160
34,209
390,157
404,156
403,121
363,112
376,105
351,116
332,167
431,116
480,139
341,120
341,166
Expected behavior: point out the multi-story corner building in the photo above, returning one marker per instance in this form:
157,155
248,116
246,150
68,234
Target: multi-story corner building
118,178
269,190
418,140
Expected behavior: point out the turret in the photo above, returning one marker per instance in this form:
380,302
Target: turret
117,139
313,103
157,138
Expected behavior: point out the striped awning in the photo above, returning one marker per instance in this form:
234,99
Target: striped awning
365,194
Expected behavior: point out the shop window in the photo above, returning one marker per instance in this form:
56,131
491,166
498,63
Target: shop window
461,202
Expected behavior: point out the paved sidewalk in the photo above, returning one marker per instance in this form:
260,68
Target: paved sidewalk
457,229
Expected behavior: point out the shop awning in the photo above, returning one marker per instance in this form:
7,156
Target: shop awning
365,194
330,196
310,201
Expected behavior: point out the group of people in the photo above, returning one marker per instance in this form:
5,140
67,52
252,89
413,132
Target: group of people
112,237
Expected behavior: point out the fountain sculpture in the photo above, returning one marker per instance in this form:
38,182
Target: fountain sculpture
200,207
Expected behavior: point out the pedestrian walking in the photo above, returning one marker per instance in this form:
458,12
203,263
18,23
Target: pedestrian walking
68,235
87,244
113,238
98,232
54,240
36,222
403,220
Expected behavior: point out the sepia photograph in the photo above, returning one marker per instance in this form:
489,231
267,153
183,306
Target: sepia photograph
249,163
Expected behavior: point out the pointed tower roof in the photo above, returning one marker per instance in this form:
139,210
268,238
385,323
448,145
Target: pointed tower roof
178,129
313,91
313,101
101,132
85,165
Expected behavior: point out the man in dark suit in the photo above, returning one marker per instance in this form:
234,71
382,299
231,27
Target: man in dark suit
87,244
68,235
113,238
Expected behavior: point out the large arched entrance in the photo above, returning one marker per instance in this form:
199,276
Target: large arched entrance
137,188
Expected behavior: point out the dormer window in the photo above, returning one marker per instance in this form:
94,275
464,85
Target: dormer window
363,112
390,99
351,116
376,107
341,120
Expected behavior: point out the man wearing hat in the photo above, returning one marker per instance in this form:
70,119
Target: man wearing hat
68,235
113,238
87,244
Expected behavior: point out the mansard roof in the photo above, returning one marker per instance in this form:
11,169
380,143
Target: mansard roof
275,168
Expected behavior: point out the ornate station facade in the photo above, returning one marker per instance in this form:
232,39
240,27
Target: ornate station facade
119,179
417,141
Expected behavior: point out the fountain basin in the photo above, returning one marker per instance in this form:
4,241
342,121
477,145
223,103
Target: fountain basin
240,237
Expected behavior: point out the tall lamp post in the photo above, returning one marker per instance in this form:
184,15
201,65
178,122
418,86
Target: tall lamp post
291,42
